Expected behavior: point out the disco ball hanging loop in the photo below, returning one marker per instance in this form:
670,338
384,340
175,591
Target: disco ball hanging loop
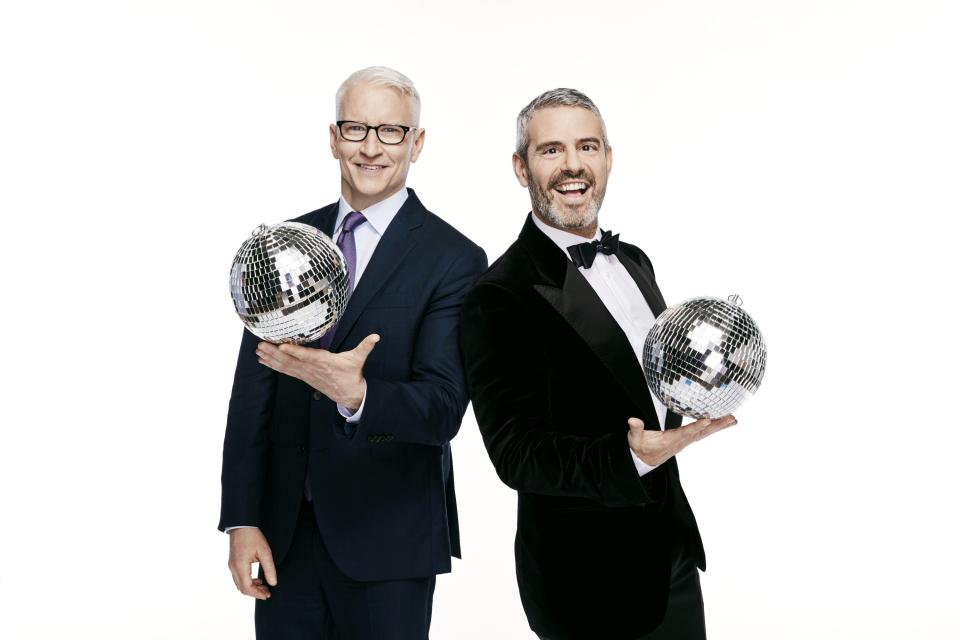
289,283
704,357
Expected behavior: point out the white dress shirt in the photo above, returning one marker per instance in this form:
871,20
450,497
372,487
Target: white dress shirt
366,236
622,298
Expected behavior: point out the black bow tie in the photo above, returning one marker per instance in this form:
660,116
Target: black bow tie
585,253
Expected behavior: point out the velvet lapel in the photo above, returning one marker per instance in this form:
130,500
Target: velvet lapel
397,241
569,293
630,259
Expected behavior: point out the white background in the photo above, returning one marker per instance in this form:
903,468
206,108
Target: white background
801,154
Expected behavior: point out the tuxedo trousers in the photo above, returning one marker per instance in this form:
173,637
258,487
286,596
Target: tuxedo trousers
314,600
684,617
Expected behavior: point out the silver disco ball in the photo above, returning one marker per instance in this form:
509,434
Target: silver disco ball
289,283
704,357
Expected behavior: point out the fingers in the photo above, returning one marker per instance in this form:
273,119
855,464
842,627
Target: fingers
270,354
718,425
277,359
725,421
246,584
269,569
363,349
296,351
636,424
247,546
706,427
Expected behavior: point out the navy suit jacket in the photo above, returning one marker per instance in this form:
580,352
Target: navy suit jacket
383,488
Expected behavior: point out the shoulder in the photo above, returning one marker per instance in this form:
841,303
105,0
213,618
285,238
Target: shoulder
511,276
449,236
450,246
313,217
637,255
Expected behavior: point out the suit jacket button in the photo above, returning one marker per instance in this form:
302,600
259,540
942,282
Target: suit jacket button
301,450
317,395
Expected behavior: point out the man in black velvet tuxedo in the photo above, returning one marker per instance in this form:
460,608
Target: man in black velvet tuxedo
337,476
607,547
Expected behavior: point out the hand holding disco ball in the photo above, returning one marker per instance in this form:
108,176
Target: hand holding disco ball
289,283
704,357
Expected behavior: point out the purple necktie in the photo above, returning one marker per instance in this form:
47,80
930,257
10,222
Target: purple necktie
348,247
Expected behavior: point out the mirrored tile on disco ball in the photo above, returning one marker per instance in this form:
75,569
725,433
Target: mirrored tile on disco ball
704,357
289,283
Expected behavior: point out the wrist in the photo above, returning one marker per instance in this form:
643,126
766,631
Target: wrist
354,402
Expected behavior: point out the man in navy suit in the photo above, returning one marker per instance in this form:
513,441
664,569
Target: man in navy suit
337,475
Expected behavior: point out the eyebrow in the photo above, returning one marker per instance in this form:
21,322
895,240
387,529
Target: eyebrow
557,143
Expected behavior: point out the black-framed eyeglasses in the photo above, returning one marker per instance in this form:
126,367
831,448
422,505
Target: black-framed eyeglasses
387,133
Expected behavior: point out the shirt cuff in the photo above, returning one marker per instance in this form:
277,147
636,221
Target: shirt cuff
239,526
642,467
351,416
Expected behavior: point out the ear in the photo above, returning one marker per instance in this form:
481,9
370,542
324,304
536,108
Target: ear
609,159
333,142
520,170
417,144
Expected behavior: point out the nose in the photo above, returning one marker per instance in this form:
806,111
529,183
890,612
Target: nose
371,146
572,161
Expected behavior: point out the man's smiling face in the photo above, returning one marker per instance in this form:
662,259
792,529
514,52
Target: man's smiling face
371,171
566,167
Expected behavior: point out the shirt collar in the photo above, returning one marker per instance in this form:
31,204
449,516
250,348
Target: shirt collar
378,215
561,238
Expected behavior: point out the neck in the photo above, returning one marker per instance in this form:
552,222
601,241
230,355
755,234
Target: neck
586,232
359,201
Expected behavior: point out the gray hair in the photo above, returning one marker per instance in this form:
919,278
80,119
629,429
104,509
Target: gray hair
382,77
554,98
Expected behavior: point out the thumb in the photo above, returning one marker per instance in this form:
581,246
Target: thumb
366,346
269,569
636,424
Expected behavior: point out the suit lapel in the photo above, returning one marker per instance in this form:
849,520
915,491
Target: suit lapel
397,241
325,218
569,293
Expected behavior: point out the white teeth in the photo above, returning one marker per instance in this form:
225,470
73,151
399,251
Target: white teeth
571,186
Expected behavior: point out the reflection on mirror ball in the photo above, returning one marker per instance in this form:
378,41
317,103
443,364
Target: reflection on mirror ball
289,283
704,357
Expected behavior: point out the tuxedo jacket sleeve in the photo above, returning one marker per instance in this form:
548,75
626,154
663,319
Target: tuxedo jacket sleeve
515,409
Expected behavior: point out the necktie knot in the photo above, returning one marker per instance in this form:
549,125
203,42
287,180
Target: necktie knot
353,220
585,253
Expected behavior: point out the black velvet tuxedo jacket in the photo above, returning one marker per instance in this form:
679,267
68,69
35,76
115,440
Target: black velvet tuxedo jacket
382,489
553,381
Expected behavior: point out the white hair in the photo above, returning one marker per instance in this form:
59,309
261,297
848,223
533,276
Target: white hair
554,98
382,77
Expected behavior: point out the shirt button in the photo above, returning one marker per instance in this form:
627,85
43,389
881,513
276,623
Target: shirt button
317,395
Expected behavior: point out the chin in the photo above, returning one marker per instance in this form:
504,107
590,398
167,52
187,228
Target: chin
582,219
370,188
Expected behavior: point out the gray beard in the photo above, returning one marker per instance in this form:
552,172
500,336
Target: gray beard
549,211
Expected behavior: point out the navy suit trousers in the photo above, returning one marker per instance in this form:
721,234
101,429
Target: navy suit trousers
314,600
